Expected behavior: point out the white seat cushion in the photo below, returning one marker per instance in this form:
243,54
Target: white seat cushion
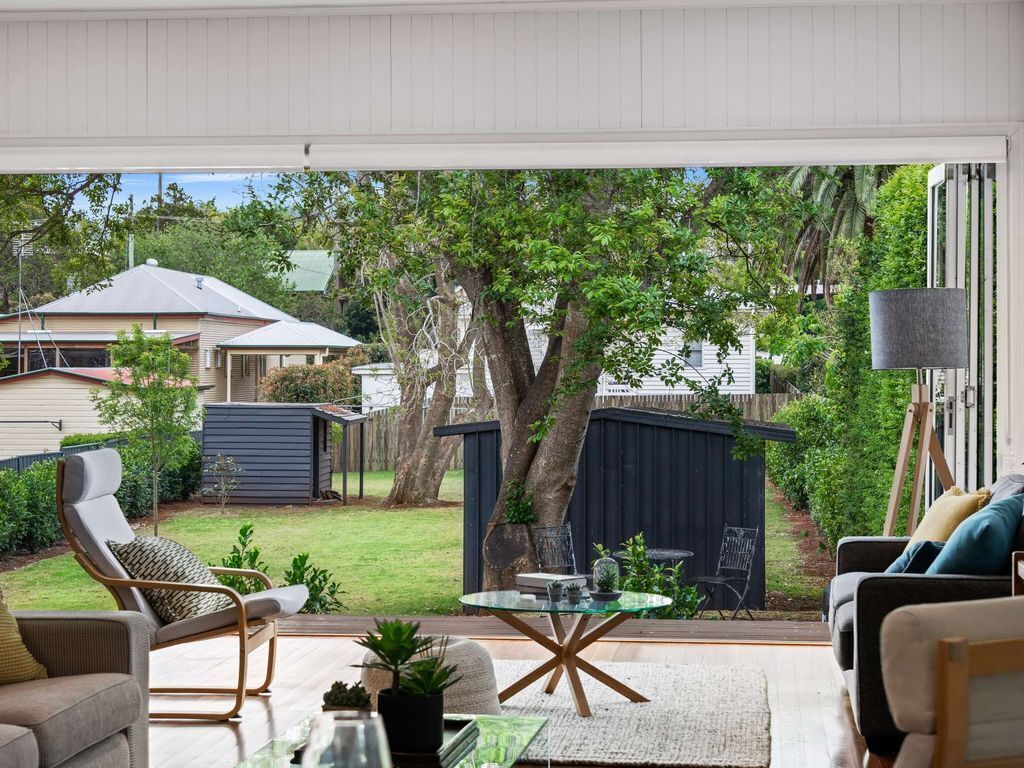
269,604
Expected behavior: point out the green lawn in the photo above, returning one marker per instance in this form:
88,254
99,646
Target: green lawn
388,561
782,557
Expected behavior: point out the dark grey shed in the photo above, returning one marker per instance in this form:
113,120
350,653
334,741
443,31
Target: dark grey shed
671,476
284,449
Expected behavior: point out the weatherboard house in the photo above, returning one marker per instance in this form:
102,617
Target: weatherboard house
59,352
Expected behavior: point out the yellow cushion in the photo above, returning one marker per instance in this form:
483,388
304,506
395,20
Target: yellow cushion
946,513
16,663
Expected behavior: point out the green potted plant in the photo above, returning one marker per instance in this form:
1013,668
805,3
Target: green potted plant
343,697
555,589
413,706
574,593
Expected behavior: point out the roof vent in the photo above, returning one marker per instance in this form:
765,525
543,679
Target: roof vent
199,282
152,263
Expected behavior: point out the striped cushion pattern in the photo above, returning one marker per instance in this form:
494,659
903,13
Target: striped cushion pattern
16,662
154,558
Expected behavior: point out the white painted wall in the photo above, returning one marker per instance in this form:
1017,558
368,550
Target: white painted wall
380,388
345,73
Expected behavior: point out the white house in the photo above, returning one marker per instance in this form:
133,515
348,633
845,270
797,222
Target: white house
380,388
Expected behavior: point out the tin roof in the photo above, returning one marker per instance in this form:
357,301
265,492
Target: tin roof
311,270
150,289
290,334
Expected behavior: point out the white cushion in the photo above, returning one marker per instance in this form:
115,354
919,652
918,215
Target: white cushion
91,474
274,603
910,640
916,751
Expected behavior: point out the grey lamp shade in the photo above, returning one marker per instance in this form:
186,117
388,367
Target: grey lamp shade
918,328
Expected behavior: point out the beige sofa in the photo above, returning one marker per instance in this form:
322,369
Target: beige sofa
93,709
982,717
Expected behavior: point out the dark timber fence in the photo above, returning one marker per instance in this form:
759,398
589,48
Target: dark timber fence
671,477
382,426
24,461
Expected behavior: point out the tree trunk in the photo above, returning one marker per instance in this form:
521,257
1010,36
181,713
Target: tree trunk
545,469
156,500
423,458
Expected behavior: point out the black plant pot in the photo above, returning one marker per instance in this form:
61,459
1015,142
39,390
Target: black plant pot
412,723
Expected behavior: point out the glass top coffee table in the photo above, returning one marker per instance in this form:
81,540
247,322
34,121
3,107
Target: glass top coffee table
565,646
501,742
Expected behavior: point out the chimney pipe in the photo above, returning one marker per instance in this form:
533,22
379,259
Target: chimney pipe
199,282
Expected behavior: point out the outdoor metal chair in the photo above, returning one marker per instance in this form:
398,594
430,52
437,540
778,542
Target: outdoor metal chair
91,518
735,561
553,545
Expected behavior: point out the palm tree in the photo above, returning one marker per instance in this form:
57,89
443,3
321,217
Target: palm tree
842,203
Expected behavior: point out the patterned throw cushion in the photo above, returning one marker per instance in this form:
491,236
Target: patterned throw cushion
16,662
153,558
946,513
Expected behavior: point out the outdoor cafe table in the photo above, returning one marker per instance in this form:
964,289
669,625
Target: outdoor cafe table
565,647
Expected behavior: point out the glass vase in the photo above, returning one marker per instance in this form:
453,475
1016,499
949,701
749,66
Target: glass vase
606,575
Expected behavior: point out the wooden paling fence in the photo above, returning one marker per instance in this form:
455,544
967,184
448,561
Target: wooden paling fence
381,428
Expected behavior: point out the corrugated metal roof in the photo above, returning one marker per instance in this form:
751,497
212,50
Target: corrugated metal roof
149,289
290,334
311,270
66,337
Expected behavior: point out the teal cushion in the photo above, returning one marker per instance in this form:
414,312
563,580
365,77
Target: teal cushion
917,557
981,544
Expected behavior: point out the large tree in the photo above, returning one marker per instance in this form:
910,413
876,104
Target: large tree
153,400
607,265
390,257
65,228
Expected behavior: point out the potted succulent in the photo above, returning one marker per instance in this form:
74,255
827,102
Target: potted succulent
574,593
555,589
343,697
413,706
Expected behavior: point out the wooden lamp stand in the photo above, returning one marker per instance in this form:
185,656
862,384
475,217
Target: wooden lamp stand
919,418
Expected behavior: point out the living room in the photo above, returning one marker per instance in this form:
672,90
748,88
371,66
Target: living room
918,668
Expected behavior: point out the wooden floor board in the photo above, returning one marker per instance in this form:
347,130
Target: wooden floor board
650,630
811,721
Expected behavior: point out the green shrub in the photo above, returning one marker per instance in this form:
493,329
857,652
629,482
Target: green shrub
330,383
762,375
817,425
324,592
40,528
13,509
86,438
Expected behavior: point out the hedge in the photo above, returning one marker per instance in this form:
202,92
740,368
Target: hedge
840,468
87,438
28,512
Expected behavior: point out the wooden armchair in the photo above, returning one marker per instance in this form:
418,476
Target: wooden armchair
90,517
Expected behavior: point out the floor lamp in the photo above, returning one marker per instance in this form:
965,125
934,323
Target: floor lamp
917,329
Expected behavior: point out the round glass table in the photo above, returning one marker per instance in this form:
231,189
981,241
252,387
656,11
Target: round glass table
566,645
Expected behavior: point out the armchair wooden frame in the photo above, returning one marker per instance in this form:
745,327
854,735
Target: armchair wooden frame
251,633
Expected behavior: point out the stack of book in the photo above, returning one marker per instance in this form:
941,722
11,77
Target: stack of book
537,583
459,742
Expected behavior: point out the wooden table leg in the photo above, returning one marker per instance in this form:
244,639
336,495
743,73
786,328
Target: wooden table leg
555,621
569,663
565,659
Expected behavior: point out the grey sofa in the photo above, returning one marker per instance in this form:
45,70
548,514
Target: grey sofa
860,597
93,709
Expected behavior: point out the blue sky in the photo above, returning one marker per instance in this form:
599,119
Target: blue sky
227,189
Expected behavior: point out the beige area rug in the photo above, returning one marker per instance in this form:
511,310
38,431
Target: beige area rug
713,717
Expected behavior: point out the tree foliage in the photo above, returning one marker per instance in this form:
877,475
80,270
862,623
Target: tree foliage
841,467
152,400
250,262
67,227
